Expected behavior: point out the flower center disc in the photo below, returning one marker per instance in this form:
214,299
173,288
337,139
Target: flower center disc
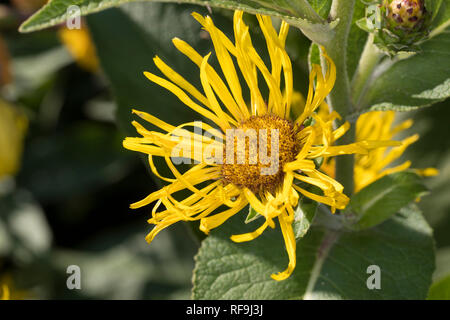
262,145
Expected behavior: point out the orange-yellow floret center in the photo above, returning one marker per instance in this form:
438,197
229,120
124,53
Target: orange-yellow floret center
264,158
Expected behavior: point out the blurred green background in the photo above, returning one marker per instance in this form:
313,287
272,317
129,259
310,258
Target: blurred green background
69,202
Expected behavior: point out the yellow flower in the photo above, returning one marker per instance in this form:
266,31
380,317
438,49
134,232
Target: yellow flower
13,126
8,291
81,47
379,125
219,189
5,294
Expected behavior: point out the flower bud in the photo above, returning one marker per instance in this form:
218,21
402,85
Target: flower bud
405,15
397,25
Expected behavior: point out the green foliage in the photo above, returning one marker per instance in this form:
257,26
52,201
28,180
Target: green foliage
298,13
123,266
383,198
227,270
304,217
252,215
401,85
152,30
381,225
24,231
429,151
356,39
86,148
442,16
322,7
330,264
314,55
412,87
398,26
440,290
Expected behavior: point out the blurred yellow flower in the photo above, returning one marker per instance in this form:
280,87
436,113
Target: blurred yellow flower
379,125
80,46
13,125
221,188
8,291
5,294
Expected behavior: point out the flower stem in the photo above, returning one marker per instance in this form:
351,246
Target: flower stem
329,239
345,164
370,58
340,97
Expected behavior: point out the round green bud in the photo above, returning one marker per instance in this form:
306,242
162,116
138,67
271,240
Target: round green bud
397,25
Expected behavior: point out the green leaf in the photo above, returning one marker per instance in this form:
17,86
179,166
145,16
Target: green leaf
440,290
252,215
322,7
32,71
304,216
228,270
52,166
403,249
330,264
128,38
442,263
442,19
122,265
298,13
314,55
412,82
431,151
24,230
440,13
356,39
383,198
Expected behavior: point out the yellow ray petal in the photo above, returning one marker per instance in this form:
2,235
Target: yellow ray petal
289,241
211,222
251,235
186,100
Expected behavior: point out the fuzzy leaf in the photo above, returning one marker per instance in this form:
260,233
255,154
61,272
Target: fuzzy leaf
383,198
304,216
440,290
413,82
330,264
252,215
402,248
299,13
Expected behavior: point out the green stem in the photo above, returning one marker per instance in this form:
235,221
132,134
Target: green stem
345,164
329,239
370,58
340,96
